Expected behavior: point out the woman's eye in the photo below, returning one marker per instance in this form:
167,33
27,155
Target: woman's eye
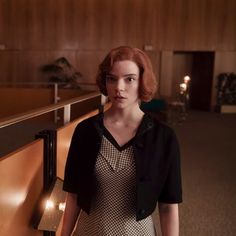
130,79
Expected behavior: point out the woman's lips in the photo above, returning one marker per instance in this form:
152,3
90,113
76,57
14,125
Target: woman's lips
119,98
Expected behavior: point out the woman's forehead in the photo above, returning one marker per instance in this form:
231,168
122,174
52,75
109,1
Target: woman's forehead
124,67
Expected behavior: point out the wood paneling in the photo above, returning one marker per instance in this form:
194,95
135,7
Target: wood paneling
21,184
87,63
227,26
9,63
37,32
166,74
15,100
103,24
198,25
18,100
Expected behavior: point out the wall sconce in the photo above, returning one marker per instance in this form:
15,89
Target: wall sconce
53,207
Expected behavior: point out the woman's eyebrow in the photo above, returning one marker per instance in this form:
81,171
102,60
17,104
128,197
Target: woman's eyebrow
109,74
130,75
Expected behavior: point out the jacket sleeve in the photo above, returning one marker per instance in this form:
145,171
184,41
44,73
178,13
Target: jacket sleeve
172,188
71,171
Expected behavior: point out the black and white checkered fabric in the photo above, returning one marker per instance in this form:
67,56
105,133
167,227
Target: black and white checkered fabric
113,207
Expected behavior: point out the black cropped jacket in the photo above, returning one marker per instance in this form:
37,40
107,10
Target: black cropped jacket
157,160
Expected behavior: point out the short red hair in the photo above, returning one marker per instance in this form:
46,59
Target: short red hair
148,84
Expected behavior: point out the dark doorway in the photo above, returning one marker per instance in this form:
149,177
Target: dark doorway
199,66
201,80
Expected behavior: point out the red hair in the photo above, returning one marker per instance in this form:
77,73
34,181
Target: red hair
147,85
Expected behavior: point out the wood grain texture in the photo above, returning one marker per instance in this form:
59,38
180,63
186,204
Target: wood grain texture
36,32
21,175
103,24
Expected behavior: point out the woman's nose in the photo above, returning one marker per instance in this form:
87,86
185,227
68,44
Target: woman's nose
120,85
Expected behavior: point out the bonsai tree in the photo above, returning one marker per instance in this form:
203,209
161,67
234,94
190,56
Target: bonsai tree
62,72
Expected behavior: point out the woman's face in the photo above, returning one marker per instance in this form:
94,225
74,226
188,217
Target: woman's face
122,84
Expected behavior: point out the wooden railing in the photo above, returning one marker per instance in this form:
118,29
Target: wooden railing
22,172
45,93
66,105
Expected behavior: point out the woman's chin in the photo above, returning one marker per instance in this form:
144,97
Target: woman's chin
119,105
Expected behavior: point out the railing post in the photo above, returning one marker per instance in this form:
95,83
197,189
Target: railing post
103,100
50,163
67,113
56,99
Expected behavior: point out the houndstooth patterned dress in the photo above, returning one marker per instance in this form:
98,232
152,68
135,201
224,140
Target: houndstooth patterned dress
113,208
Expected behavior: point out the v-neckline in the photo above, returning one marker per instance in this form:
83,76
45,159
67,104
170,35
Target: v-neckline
110,137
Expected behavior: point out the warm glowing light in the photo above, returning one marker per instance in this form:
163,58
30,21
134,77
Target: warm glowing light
186,79
62,206
49,205
183,86
13,197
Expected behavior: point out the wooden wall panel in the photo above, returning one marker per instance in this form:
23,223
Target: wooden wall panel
85,24
21,184
4,24
213,24
166,74
29,65
87,62
149,27
228,34
121,23
156,63
102,24
37,32
170,23
9,66
15,100
41,32
18,100
195,25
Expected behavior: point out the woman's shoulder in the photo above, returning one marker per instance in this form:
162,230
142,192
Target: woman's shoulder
156,122
159,126
90,123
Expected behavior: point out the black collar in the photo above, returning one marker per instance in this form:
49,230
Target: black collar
146,124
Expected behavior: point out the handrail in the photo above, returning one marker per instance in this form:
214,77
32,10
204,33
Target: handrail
43,84
40,111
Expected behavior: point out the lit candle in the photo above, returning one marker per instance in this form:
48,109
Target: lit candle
183,87
186,79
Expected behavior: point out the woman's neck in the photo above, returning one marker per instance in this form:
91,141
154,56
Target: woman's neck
134,114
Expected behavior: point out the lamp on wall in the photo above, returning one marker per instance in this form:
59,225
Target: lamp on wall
52,207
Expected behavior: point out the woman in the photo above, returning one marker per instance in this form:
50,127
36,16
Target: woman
122,162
